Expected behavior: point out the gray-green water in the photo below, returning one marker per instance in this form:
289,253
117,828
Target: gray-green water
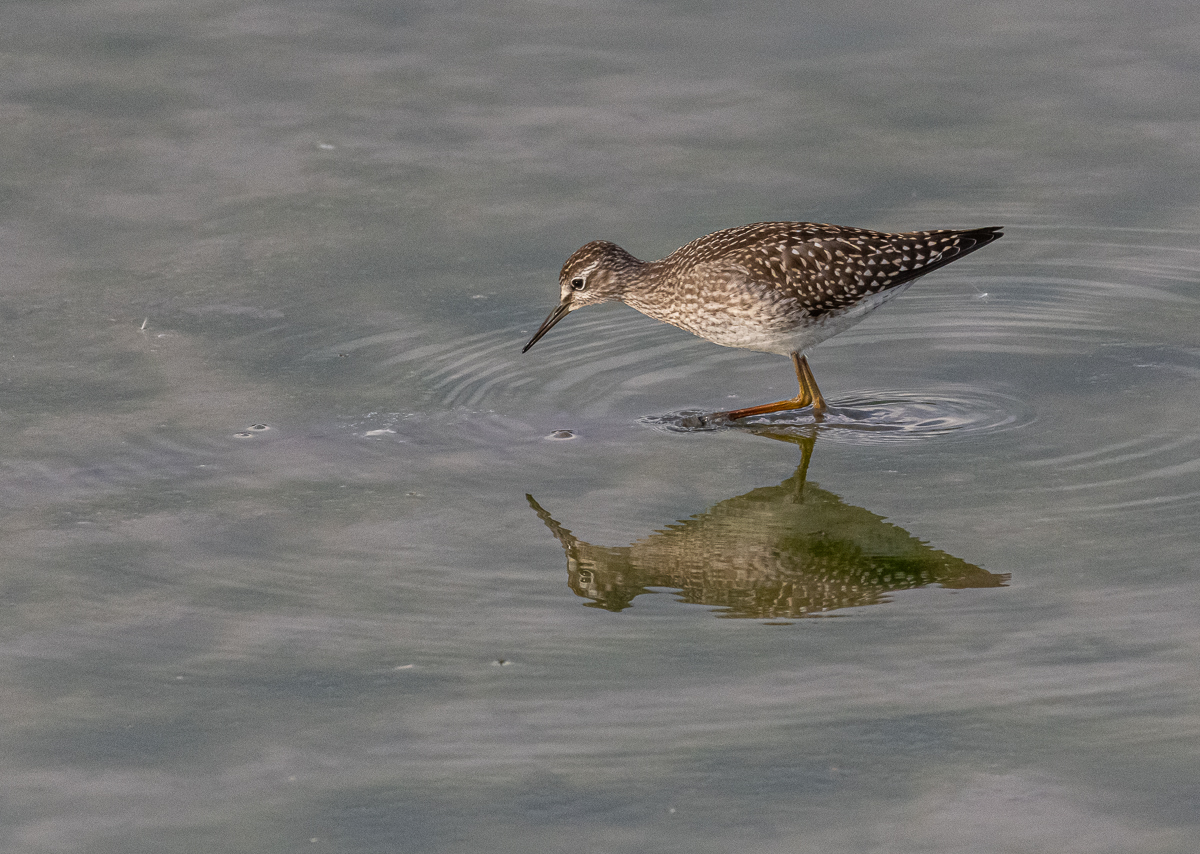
271,579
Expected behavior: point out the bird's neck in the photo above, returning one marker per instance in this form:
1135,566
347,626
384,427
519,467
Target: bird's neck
644,282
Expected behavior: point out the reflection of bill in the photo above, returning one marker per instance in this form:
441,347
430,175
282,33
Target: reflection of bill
792,550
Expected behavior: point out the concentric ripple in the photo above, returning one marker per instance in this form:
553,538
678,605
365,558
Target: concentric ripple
1078,343
591,365
866,418
1145,455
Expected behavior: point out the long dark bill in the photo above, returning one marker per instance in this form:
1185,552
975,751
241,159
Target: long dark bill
560,311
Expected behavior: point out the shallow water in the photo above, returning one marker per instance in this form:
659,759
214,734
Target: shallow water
300,551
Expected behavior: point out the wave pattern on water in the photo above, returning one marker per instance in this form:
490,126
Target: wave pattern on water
1158,470
591,366
69,474
1051,336
865,418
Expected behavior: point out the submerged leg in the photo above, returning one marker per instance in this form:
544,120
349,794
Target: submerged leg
809,394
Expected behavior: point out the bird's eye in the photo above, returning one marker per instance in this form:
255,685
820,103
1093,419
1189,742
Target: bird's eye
578,284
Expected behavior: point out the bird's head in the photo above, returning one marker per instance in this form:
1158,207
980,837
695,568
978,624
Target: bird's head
596,273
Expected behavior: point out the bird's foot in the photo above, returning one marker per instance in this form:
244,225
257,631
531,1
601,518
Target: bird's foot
800,402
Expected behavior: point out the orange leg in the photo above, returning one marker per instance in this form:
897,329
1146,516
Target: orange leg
809,394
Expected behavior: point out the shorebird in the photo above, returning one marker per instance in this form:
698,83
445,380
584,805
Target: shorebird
776,287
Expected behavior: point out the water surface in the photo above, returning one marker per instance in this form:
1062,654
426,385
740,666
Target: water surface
301,552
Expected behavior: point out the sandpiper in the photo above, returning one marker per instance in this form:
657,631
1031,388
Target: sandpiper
776,287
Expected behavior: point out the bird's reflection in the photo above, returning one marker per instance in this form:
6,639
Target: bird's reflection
792,550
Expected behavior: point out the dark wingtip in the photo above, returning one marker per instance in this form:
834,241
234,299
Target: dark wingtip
981,236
